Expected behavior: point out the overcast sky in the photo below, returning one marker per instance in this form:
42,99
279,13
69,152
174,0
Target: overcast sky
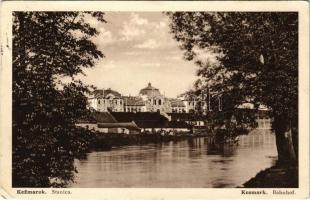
138,49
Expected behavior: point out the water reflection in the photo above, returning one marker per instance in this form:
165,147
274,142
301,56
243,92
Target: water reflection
199,162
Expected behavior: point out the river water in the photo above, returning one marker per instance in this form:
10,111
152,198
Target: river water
197,163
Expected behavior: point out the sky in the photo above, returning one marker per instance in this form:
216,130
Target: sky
139,49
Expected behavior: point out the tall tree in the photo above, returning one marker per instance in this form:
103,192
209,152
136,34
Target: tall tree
46,46
256,61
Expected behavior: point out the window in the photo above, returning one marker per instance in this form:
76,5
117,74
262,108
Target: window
159,101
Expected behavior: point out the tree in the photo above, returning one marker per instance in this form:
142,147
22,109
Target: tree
46,46
255,60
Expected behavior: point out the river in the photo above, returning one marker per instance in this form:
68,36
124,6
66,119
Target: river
193,163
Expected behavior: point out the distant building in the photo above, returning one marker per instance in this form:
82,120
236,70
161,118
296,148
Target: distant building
150,100
177,106
155,101
104,122
189,118
144,120
197,122
106,100
150,91
134,104
153,122
194,103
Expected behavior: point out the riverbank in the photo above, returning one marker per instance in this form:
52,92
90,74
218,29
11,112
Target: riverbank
106,141
278,176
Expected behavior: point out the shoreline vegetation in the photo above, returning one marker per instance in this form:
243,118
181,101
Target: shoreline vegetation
97,140
105,141
277,176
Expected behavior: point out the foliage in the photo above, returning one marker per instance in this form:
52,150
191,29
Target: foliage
46,46
255,51
245,57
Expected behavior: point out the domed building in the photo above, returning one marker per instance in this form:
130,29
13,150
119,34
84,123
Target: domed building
154,99
150,91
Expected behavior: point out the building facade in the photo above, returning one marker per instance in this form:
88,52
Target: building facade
154,100
194,103
149,99
106,100
177,106
134,104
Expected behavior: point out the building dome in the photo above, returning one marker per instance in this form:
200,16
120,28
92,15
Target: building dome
150,91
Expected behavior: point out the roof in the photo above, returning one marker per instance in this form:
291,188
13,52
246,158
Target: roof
103,117
130,116
142,119
105,93
149,87
191,98
133,101
128,125
98,117
109,91
97,93
177,103
150,91
185,117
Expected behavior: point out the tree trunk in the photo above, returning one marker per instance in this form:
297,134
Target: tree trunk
290,145
284,140
279,144
294,125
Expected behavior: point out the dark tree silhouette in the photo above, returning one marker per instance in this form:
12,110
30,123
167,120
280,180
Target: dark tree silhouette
256,61
46,46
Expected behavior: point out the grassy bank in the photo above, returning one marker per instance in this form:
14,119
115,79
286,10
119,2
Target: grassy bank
278,176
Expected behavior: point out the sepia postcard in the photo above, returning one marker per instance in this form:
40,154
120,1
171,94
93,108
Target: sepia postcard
154,100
